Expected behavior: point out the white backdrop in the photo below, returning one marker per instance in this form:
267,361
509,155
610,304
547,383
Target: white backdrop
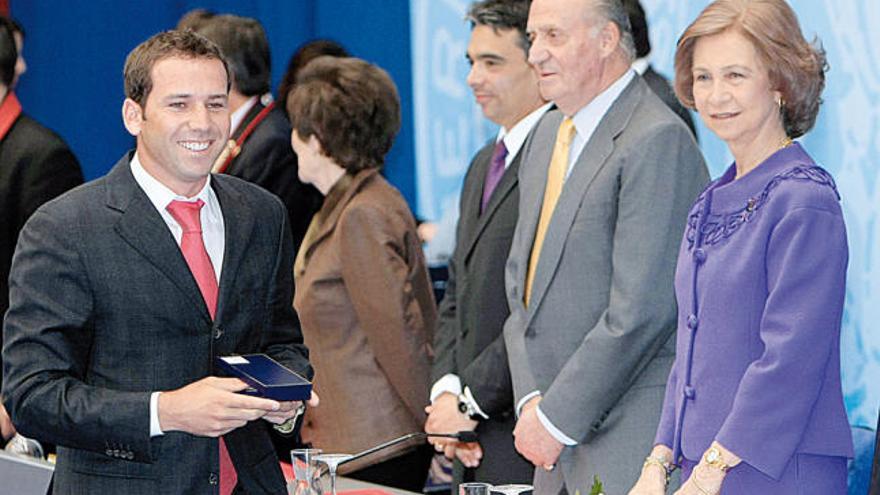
846,141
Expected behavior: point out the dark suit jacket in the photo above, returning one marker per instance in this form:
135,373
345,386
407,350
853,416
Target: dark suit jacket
368,316
267,159
661,87
469,340
104,311
35,166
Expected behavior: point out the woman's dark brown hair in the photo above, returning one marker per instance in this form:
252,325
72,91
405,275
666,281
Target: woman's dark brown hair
350,106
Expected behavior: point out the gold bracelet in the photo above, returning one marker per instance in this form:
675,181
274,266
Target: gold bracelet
653,461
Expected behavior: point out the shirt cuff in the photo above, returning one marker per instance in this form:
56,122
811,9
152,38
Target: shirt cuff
554,431
155,428
468,397
449,383
522,402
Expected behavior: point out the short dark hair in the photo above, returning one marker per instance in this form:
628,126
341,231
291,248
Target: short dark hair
14,26
639,24
246,49
502,15
8,54
139,64
303,55
350,106
195,19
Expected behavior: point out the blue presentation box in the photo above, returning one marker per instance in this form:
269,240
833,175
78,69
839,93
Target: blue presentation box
267,378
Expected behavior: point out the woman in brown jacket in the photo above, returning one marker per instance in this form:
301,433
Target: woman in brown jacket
362,288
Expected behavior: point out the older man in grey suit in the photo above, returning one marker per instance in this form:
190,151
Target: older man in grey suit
605,187
125,291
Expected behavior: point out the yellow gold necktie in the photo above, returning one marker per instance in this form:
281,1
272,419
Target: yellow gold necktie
555,178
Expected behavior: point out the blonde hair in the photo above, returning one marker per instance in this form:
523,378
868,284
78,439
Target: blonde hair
796,67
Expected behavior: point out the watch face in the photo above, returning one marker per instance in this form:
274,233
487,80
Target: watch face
462,407
713,455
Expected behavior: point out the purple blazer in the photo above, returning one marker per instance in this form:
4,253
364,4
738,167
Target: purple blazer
760,287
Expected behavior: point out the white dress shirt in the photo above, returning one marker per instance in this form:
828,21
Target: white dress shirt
513,141
212,232
586,120
237,116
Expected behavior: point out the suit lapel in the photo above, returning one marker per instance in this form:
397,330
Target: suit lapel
141,226
327,217
238,223
591,160
472,195
502,190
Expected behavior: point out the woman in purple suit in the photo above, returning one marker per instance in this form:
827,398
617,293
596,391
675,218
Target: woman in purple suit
753,403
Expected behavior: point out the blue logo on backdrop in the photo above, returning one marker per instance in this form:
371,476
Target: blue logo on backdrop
450,127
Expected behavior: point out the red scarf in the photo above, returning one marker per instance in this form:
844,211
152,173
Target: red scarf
10,109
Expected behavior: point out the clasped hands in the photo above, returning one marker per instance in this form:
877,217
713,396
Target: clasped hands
444,417
212,407
704,479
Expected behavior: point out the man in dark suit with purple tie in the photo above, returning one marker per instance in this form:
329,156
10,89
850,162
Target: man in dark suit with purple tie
472,388
125,291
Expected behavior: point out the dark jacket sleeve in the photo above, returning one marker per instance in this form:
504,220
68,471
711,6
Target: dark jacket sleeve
49,332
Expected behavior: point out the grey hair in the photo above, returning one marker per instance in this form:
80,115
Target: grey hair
502,15
614,11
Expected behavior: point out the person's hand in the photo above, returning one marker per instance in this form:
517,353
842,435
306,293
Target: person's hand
652,481
444,417
7,430
470,454
704,480
211,407
288,410
532,440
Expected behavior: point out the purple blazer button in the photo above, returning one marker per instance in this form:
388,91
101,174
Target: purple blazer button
692,321
699,256
689,392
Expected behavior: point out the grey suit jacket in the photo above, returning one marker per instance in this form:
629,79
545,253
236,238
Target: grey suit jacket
596,340
662,88
469,341
104,310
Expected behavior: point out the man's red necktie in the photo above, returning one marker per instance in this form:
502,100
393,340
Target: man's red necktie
192,245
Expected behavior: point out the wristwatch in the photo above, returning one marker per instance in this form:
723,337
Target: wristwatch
287,427
467,408
713,458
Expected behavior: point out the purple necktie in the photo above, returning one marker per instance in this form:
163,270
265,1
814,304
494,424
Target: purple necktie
493,175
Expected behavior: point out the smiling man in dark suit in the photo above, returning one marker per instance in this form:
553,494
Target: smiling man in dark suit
126,290
472,387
